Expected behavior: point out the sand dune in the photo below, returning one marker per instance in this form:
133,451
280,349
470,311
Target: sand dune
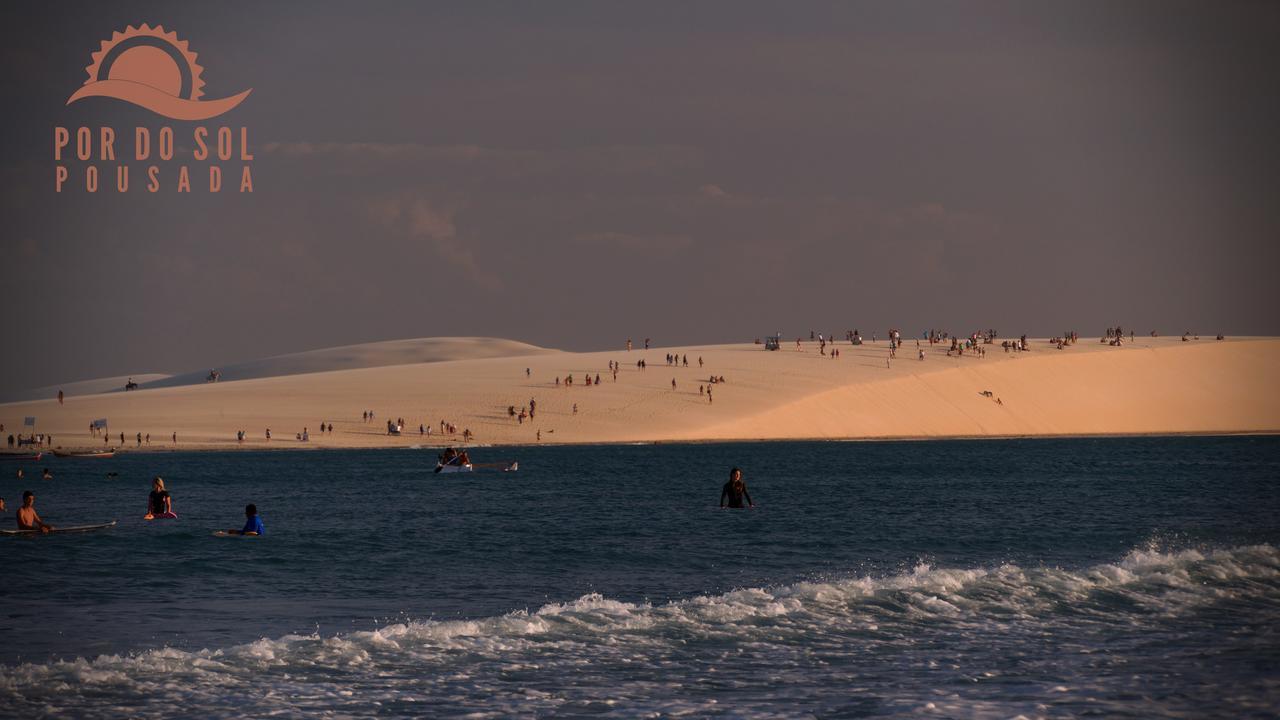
1150,386
83,387
346,357
364,355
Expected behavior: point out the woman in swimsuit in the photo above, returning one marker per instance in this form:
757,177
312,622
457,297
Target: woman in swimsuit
159,503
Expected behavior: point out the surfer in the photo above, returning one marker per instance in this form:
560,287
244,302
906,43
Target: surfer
252,523
27,517
159,503
735,491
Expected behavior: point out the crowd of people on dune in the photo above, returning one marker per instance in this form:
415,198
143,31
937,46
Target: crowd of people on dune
975,344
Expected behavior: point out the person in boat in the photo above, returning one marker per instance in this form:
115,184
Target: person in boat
159,502
735,492
449,457
464,458
28,519
252,523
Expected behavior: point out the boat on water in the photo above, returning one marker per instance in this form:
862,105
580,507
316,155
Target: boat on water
454,461
15,456
454,467
83,453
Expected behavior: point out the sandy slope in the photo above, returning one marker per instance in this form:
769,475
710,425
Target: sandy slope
1152,386
83,387
354,357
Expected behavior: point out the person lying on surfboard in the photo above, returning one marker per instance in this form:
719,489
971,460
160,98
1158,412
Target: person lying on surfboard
159,503
27,517
252,523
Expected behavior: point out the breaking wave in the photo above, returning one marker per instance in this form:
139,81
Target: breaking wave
996,641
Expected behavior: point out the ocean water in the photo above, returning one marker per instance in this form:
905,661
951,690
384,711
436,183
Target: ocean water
1123,577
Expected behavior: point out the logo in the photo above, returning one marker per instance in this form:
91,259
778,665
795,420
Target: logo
155,70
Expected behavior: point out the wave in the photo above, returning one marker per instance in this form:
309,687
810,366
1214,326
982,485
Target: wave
654,658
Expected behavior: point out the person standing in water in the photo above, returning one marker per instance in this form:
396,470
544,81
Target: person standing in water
735,492
159,503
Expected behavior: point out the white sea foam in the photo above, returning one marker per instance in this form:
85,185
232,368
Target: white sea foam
779,644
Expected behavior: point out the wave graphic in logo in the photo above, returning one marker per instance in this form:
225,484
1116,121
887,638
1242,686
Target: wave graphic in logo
153,69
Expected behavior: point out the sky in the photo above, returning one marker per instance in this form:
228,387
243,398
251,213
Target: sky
576,174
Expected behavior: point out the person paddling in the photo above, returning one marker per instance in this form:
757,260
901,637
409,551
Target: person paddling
735,491
252,524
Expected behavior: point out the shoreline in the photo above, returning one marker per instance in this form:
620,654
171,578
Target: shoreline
419,447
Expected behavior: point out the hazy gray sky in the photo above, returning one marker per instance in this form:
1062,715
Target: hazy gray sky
573,174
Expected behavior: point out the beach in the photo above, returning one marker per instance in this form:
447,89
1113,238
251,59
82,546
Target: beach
1151,385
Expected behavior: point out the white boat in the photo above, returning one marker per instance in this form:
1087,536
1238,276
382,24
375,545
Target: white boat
454,467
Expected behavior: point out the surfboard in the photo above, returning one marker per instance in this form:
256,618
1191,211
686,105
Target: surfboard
61,529
224,533
162,516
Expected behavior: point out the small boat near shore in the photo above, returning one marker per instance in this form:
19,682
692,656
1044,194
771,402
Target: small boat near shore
456,461
15,456
58,452
472,467
454,467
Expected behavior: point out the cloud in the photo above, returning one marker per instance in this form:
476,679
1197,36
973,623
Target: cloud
419,219
615,241
505,162
396,151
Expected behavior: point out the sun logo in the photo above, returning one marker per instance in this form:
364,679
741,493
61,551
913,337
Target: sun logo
153,69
